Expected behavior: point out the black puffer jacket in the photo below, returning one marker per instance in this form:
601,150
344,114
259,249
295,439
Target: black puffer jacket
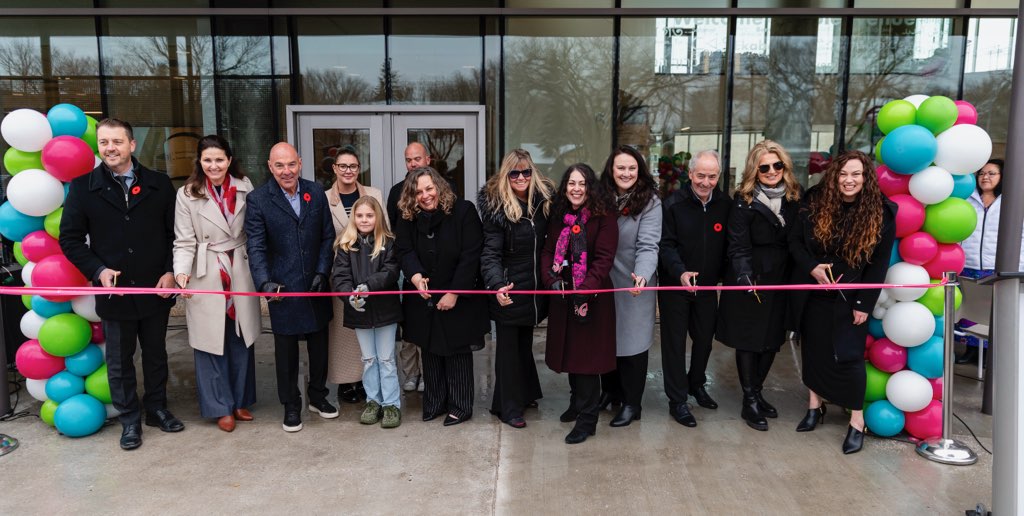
356,267
511,254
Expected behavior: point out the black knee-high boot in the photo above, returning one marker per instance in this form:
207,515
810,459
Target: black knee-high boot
764,365
746,365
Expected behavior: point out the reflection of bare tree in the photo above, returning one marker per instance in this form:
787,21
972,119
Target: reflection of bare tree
335,87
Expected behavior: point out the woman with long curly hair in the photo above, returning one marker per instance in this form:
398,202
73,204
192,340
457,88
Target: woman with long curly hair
843,234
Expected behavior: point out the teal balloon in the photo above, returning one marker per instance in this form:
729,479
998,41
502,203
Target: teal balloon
940,325
926,359
937,113
909,149
79,416
963,186
64,385
950,221
64,335
14,225
884,419
85,362
894,256
875,328
47,308
67,119
896,113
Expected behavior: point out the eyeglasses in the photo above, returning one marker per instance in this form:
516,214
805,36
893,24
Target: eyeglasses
514,174
344,168
990,173
778,166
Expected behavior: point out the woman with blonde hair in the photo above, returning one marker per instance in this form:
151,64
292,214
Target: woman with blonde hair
753,322
514,208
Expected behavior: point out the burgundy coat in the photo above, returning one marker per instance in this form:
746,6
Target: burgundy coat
587,348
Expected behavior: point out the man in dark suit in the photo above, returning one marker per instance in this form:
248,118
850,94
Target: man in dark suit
290,233
127,213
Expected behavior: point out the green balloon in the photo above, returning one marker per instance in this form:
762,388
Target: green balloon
896,113
937,114
934,299
52,222
90,133
27,301
97,386
15,160
876,381
19,255
950,221
64,335
878,152
47,411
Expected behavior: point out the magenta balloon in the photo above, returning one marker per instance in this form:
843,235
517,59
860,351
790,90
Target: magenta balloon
918,248
67,157
97,333
56,271
936,388
36,364
948,257
910,216
887,356
38,245
892,183
966,113
925,423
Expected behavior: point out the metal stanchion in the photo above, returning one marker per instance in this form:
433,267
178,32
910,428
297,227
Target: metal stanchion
945,449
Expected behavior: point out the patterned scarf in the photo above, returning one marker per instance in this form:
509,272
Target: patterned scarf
225,199
572,241
772,198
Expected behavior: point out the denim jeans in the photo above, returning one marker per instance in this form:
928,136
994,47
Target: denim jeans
380,376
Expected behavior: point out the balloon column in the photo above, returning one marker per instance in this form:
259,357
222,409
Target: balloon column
63,359
929,154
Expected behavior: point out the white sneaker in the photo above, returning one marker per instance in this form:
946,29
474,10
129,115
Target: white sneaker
410,384
420,386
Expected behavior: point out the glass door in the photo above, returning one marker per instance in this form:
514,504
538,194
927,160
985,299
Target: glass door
451,141
322,135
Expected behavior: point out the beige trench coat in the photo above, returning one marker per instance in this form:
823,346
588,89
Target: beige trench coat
345,361
202,239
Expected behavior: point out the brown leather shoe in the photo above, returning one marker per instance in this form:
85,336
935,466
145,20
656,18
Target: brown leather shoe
226,423
243,414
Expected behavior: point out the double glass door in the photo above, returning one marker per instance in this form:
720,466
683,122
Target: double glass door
379,135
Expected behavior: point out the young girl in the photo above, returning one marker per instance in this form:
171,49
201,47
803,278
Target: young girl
365,262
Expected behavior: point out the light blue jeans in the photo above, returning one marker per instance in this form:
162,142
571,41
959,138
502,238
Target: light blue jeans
380,376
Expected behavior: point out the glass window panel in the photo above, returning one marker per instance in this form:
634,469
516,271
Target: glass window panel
281,65
153,3
672,90
159,77
327,143
444,3
494,97
792,3
447,149
47,3
341,60
558,90
988,79
675,3
559,3
913,4
994,4
326,3
892,58
436,62
785,85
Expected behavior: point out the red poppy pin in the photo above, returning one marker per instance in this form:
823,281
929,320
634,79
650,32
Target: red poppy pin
625,211
136,190
306,197
575,229
718,227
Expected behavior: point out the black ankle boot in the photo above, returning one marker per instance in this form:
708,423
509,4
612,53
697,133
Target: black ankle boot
854,441
750,414
766,409
814,417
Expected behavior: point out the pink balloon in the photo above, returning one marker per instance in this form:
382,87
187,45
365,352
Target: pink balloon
867,346
917,248
887,356
925,423
948,257
67,157
936,388
56,271
97,332
36,364
910,216
892,183
967,113
38,245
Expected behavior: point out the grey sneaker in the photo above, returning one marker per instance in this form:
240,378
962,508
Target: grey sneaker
392,417
371,414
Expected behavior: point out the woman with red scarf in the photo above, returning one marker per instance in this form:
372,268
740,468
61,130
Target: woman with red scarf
209,254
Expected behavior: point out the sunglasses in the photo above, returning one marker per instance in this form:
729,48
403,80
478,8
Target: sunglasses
778,166
514,174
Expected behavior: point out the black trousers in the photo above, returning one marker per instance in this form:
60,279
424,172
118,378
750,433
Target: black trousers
448,384
753,367
626,383
151,335
515,372
585,396
682,313
286,362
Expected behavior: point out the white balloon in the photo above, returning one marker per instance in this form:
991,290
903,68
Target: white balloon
908,391
889,302
904,273
26,130
883,297
931,185
86,307
916,100
111,411
878,312
30,324
963,149
26,273
37,388
908,324
35,192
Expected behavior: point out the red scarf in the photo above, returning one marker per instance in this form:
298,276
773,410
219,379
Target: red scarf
225,200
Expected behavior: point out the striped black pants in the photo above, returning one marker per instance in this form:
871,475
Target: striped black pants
448,384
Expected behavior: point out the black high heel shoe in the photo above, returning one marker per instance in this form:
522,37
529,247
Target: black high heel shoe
854,440
814,417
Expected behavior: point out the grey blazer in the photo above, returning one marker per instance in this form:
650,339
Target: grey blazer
637,252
